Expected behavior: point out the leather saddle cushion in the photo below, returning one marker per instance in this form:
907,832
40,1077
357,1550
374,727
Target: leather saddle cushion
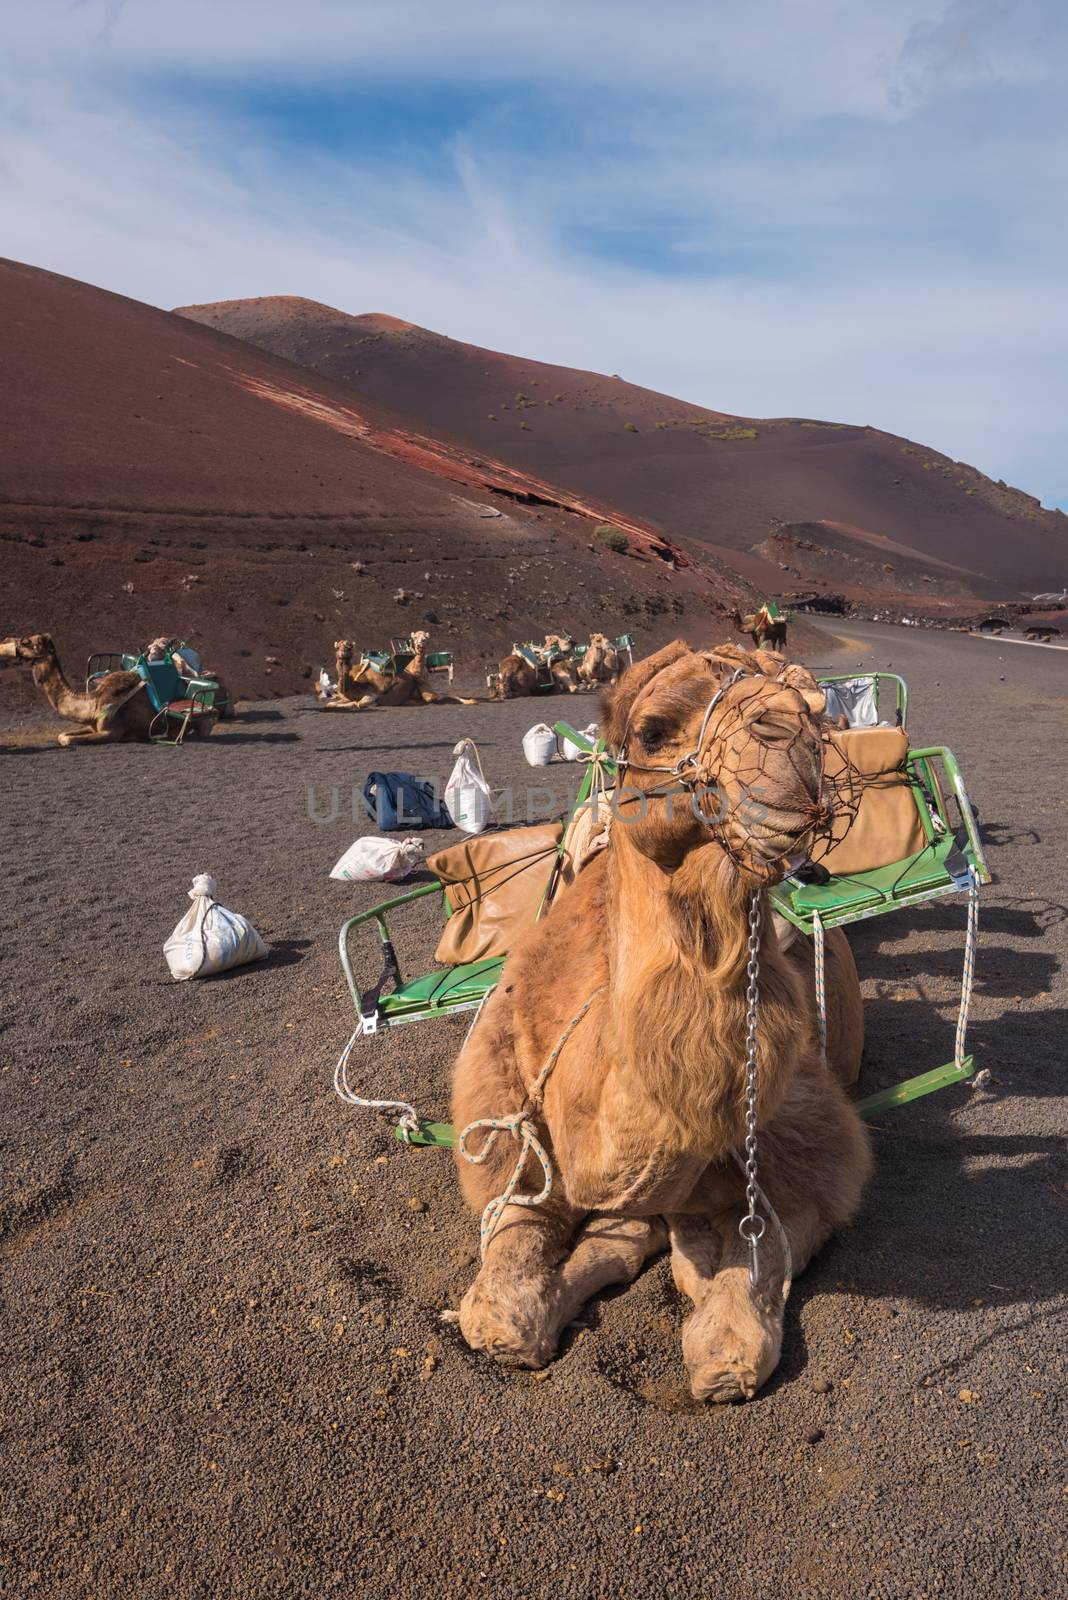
495,884
887,826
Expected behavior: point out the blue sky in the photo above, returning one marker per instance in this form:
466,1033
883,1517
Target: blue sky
829,208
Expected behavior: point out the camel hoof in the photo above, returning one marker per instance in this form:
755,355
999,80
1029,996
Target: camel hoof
724,1382
65,739
505,1333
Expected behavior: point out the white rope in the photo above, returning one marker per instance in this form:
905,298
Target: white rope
821,983
407,1120
520,1124
970,942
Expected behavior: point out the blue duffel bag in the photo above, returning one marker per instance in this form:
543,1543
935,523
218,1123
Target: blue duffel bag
399,801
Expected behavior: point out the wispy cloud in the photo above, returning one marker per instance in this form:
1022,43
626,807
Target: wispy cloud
853,212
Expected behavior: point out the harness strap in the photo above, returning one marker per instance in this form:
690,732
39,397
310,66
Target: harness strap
520,1124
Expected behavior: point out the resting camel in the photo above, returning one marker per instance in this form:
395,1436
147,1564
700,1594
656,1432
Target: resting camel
364,685
601,662
762,629
116,708
516,678
637,977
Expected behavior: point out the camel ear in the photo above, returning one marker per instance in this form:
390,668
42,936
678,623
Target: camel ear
616,703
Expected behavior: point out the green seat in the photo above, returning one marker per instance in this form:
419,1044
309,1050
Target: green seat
857,895
450,989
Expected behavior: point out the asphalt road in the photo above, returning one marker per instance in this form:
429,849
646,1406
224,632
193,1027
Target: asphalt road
225,1372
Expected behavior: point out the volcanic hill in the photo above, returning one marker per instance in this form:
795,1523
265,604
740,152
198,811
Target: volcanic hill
157,476
835,505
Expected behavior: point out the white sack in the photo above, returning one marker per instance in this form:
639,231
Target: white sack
467,794
373,860
539,745
571,752
209,938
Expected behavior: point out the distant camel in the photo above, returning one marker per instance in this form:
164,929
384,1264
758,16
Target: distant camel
517,678
601,663
363,685
1042,632
994,625
115,708
763,628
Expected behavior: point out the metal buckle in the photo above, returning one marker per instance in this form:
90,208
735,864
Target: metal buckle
369,1024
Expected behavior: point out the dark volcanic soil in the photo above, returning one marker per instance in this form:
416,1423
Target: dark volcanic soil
694,473
225,1372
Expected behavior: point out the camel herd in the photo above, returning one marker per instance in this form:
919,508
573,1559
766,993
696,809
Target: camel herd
361,681
115,706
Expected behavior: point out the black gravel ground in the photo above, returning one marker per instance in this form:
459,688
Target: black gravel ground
225,1369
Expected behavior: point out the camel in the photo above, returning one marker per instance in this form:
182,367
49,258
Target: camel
516,678
616,1038
116,708
601,663
363,685
762,627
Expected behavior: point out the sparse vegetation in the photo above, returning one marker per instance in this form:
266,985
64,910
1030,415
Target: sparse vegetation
731,433
611,537
630,427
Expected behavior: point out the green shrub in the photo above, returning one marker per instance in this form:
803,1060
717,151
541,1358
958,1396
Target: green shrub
731,433
611,537
630,427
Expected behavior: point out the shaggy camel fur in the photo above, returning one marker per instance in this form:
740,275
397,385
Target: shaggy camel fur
364,685
601,663
762,629
645,1103
116,708
516,678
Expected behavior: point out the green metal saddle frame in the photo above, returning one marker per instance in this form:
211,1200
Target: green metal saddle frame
946,864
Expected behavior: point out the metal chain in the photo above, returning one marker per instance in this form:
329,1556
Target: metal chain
752,1225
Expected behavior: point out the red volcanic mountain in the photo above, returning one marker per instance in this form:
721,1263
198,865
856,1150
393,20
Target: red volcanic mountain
157,476
849,507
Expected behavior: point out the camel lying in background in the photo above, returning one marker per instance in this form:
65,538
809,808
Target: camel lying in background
364,685
116,708
644,1105
601,663
761,628
516,678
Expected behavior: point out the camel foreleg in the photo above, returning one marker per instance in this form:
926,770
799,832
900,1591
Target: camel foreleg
814,1162
90,735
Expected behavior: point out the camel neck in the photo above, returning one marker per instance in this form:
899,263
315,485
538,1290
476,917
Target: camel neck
677,972
48,676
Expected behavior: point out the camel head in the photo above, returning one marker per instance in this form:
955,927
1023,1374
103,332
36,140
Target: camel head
33,648
420,639
721,747
343,649
600,640
558,641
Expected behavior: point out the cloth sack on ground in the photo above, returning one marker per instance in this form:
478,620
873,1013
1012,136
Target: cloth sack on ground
399,800
467,794
571,752
209,938
374,860
539,745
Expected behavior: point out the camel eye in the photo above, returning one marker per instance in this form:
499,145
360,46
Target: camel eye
653,736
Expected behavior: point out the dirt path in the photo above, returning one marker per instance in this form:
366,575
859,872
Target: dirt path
225,1372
